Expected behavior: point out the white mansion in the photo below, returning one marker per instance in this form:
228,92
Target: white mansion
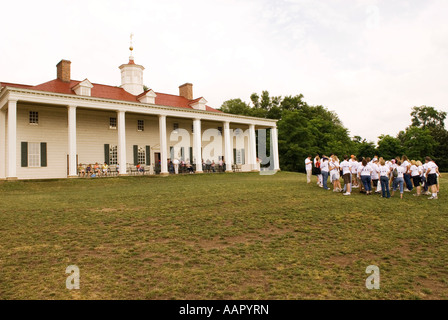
47,130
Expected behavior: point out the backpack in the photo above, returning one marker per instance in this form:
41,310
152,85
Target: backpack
395,173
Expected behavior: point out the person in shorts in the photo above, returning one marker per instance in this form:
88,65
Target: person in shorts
346,168
431,177
416,177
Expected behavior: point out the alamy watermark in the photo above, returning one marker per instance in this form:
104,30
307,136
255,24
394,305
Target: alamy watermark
373,281
72,281
213,148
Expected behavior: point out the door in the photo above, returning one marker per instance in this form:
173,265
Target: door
157,158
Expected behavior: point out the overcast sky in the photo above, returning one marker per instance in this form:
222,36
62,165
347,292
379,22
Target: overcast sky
371,61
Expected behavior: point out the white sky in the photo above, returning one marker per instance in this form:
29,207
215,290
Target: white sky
371,61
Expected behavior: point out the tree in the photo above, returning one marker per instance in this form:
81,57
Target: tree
363,148
302,129
389,147
236,106
427,117
418,142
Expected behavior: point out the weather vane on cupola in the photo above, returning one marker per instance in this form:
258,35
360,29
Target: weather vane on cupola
131,48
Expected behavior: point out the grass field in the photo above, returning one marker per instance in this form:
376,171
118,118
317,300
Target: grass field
217,236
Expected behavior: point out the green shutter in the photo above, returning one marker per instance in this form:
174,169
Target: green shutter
135,155
191,154
148,155
243,159
43,154
172,153
106,153
24,152
182,153
234,155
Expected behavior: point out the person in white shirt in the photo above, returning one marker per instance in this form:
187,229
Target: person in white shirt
375,176
324,168
364,173
346,168
309,168
334,173
384,172
407,177
416,176
432,171
354,164
399,181
176,166
423,178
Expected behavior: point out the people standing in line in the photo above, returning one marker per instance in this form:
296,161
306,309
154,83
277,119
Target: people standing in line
346,175
432,172
364,173
324,167
384,172
308,168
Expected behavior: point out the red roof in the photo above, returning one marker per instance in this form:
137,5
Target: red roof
106,92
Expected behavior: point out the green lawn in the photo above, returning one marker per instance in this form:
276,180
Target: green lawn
217,236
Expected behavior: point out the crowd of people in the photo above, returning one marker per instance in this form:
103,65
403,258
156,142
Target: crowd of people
375,175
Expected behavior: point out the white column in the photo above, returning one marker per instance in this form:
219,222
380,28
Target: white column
72,164
197,144
252,148
163,146
274,142
12,140
121,147
2,143
227,147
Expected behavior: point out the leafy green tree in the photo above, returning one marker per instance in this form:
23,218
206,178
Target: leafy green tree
364,148
427,117
389,147
302,129
417,142
236,106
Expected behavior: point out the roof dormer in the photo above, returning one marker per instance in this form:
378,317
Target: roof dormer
147,97
83,88
198,104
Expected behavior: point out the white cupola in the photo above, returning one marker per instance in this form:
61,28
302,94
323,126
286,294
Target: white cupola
132,75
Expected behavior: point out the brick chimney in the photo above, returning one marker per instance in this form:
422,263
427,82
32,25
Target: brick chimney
63,70
186,91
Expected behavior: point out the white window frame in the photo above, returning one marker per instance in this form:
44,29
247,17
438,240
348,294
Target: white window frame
141,155
33,118
140,125
34,156
110,123
113,155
